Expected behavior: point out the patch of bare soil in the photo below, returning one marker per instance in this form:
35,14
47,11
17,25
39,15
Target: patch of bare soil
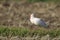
18,13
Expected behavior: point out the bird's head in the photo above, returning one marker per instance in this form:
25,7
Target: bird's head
32,15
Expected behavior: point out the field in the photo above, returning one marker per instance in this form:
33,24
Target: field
15,23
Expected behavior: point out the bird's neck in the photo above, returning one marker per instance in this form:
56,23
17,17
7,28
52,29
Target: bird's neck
32,17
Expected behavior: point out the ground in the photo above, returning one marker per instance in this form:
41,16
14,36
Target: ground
18,13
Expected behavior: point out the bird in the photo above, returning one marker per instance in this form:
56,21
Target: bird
37,21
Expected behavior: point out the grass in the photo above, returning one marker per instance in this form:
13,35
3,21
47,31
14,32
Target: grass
32,1
24,32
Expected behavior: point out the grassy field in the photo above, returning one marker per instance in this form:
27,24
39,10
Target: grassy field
15,14
25,32
28,33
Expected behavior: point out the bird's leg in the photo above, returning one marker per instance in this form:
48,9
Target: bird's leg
32,26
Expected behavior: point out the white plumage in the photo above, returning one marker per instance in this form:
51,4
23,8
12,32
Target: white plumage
37,21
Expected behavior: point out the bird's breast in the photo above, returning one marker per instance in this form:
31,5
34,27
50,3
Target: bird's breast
35,21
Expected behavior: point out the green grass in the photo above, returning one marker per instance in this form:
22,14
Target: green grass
32,1
25,32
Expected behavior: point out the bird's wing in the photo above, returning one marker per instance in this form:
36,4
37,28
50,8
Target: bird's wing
43,23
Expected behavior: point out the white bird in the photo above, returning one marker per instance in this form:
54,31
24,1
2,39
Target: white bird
37,21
